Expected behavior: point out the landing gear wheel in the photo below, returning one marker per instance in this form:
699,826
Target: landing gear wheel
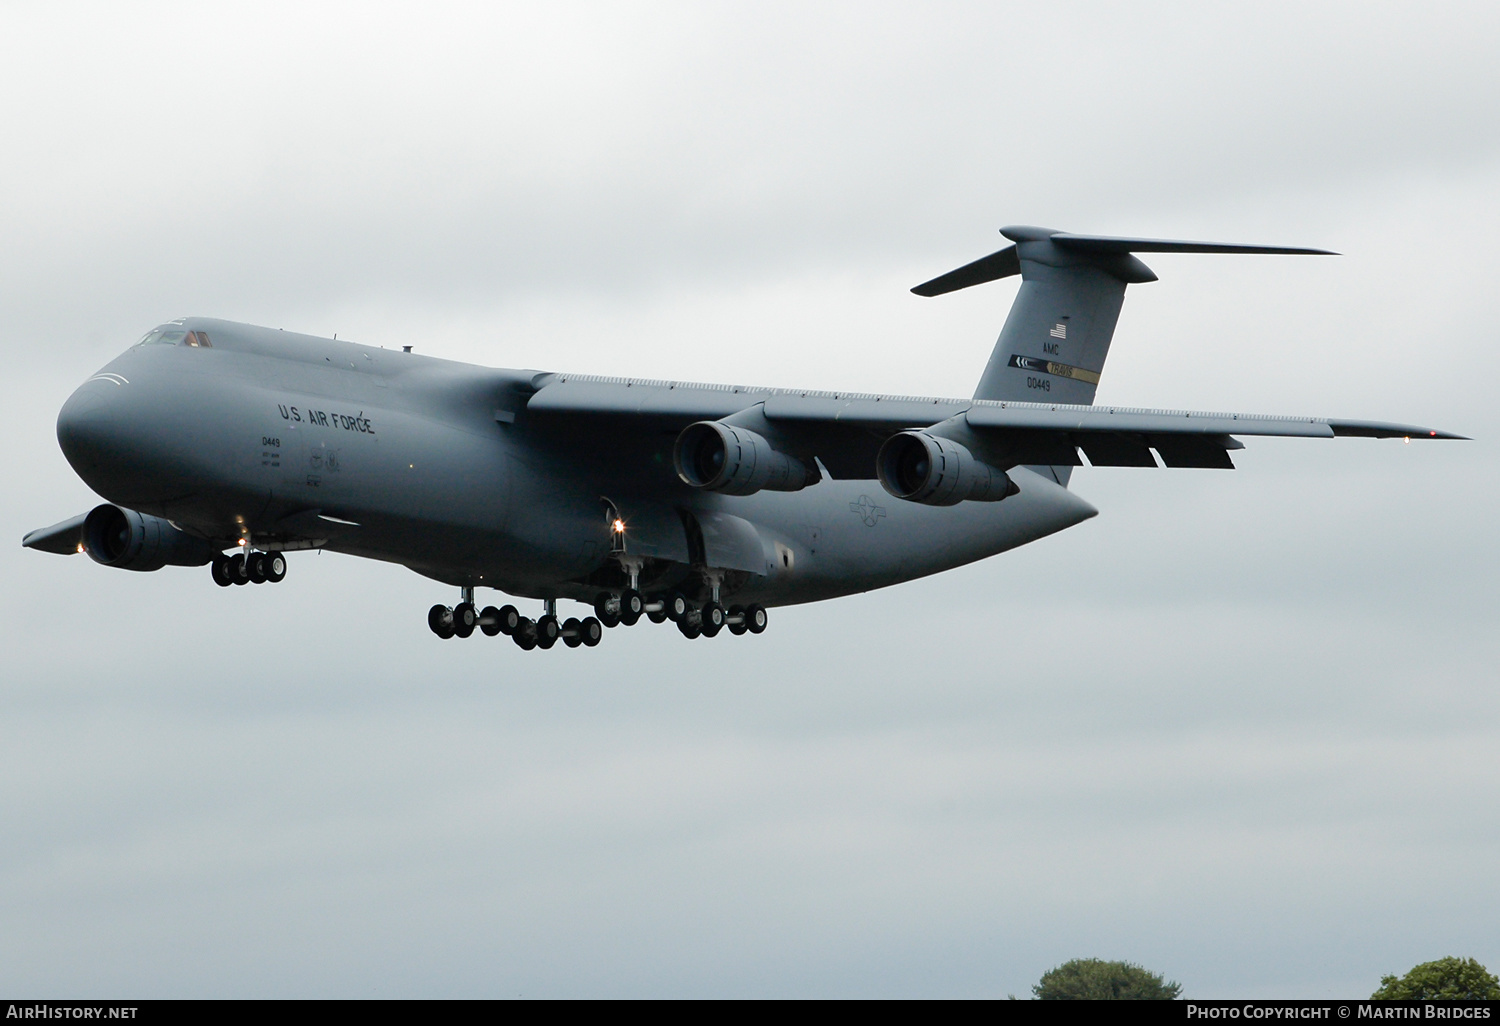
607,616
632,605
755,619
736,621
711,617
440,619
547,631
590,631
677,606
688,628
489,621
572,632
465,619
275,567
525,634
510,620
237,573
657,615
255,568
220,571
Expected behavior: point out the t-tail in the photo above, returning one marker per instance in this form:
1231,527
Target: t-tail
1055,340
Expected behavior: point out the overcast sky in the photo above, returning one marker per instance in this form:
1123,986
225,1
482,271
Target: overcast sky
1243,728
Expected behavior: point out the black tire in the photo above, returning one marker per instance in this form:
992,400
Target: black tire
440,621
688,628
601,605
255,568
755,618
657,615
632,605
510,619
524,634
275,567
711,617
489,621
547,631
735,620
591,631
677,606
465,619
220,571
237,573
572,632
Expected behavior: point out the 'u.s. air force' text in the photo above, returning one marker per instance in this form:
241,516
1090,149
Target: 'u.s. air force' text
322,418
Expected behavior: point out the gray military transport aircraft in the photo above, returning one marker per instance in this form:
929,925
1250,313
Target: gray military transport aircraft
700,504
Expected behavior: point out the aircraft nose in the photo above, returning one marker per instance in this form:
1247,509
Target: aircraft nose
83,427
106,432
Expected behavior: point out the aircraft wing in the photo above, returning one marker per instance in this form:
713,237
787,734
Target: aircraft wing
64,538
844,430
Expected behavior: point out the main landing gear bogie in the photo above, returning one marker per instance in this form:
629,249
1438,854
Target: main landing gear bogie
708,621
626,608
256,568
461,620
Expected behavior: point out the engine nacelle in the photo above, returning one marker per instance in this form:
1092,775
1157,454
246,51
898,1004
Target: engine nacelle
719,457
129,540
935,471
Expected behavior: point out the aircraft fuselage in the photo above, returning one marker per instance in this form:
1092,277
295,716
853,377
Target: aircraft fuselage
292,441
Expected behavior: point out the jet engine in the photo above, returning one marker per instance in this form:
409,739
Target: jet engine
129,540
719,457
920,467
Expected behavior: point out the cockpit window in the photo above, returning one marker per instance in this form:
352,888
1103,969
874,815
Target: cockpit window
175,337
162,337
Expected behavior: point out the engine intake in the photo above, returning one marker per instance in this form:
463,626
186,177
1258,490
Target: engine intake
123,538
920,467
719,457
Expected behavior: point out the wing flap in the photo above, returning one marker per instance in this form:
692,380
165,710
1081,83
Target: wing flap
1207,452
1112,449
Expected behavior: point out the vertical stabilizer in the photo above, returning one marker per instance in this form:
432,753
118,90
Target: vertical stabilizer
1057,335
1055,340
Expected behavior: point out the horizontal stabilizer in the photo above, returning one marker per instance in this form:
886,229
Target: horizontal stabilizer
1111,244
1110,252
998,265
65,538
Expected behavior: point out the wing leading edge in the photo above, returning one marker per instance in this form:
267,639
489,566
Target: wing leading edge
844,429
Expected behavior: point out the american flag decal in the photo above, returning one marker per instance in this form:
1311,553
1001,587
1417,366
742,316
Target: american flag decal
1059,331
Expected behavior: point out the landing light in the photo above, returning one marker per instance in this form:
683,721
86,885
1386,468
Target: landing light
618,526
